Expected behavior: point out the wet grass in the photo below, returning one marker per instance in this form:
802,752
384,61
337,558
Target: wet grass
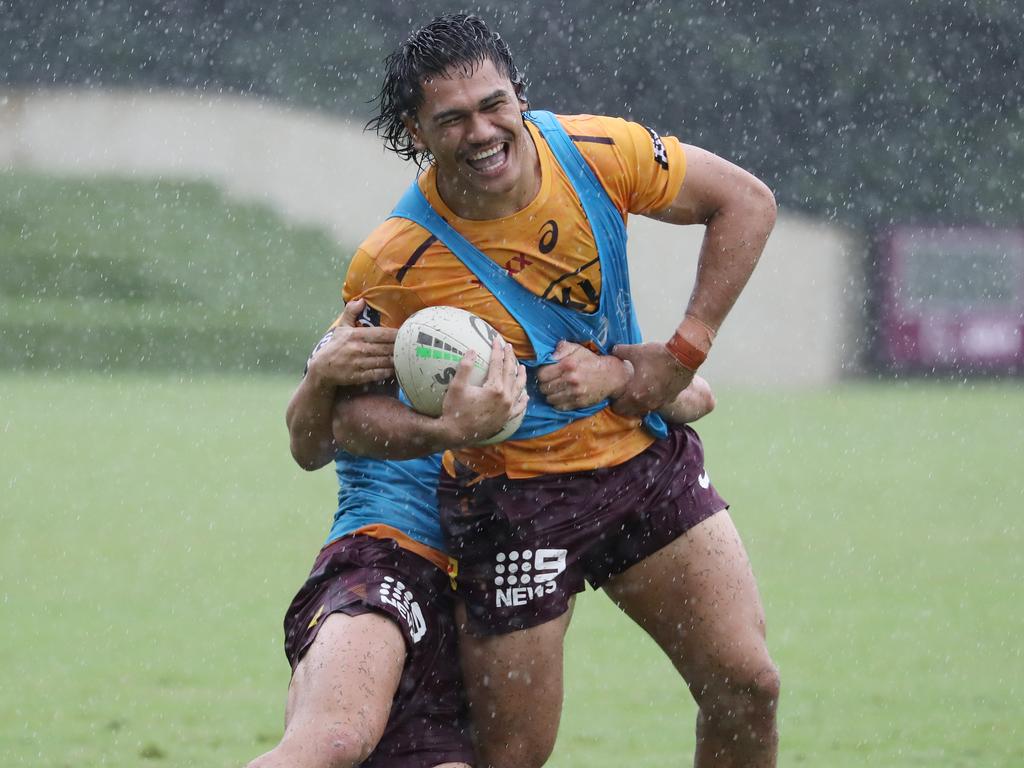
115,274
152,530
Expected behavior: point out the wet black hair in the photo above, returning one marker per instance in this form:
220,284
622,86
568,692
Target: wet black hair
454,40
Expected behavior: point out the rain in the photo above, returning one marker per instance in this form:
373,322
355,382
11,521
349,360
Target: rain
183,189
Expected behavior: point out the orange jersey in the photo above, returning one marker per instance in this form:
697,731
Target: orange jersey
548,248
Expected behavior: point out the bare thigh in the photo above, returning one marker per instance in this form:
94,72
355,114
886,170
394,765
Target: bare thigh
698,599
514,685
341,691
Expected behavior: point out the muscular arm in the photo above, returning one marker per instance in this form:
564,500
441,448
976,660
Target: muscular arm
309,424
348,356
738,212
381,427
693,403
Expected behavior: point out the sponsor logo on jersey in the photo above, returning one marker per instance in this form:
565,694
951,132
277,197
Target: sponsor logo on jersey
395,594
369,317
660,155
704,480
513,267
573,290
524,576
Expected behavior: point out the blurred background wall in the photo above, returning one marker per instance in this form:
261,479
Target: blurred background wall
892,136
327,172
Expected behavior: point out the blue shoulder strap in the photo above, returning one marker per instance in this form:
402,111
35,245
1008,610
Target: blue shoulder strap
547,322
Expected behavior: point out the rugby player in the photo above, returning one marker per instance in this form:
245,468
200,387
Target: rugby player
370,636
520,218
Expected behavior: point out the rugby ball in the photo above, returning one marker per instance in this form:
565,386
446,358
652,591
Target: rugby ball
428,348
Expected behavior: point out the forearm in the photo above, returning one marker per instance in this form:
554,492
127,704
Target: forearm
308,416
381,427
738,213
735,236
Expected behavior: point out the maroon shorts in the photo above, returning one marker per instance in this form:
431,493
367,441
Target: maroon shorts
357,574
524,547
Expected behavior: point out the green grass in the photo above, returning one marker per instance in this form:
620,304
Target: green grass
126,274
153,529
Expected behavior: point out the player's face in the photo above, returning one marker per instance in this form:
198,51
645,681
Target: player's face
473,126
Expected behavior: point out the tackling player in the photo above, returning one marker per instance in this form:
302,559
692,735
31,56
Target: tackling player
370,635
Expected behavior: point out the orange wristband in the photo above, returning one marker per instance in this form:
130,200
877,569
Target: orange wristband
691,342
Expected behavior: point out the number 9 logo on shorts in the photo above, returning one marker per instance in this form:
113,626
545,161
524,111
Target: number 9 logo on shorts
521,576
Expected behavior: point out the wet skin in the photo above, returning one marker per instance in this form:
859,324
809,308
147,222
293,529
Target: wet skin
472,124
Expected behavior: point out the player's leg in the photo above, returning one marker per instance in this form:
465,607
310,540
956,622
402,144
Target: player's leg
514,686
516,546
698,599
340,694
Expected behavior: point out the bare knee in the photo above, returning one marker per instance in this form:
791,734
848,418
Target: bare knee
516,754
527,746
345,749
763,691
742,696
329,748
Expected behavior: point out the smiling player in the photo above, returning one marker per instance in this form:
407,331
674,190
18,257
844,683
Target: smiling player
520,218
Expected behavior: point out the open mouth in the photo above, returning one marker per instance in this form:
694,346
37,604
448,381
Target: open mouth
490,159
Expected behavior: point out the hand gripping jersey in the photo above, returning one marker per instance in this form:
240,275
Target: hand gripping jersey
554,270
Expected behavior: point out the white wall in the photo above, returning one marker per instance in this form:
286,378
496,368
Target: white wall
795,323
793,326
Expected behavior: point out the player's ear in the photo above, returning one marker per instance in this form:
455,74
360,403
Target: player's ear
412,127
519,87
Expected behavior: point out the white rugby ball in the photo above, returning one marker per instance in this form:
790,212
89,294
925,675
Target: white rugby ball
428,348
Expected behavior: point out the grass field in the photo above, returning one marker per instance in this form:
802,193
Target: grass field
153,529
111,273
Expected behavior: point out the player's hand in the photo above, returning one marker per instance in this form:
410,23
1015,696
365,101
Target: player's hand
351,355
657,378
474,413
581,378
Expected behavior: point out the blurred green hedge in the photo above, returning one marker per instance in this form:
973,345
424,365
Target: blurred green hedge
117,274
869,113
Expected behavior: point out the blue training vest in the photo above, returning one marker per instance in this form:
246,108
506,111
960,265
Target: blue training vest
401,494
547,322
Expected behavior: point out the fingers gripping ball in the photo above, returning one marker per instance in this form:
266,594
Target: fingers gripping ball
428,349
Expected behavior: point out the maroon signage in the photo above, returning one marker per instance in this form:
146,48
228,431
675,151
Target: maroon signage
952,300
